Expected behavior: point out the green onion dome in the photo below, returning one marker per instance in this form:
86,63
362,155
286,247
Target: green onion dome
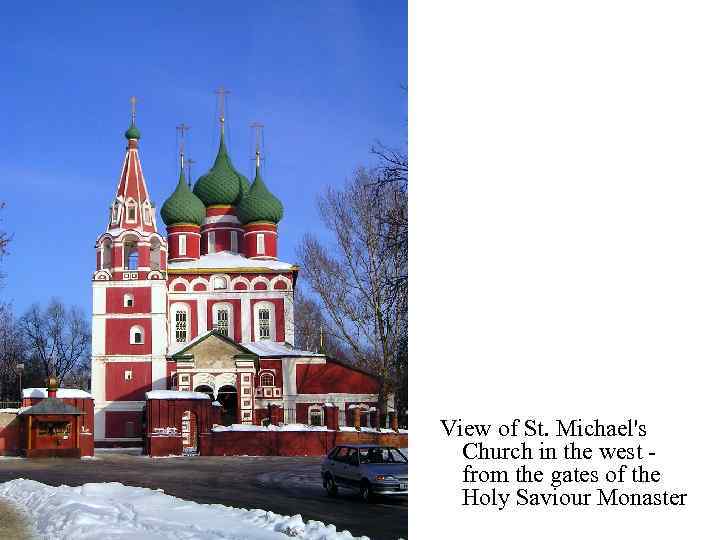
244,188
259,204
183,206
133,132
222,184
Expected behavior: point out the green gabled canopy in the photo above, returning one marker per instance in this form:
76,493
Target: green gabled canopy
183,206
259,204
133,132
222,184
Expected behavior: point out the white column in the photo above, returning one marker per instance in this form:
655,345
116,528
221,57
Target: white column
246,317
289,319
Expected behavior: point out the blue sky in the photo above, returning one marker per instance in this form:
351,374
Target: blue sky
324,77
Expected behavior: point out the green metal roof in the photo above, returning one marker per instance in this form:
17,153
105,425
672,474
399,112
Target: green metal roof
133,132
222,184
259,204
183,206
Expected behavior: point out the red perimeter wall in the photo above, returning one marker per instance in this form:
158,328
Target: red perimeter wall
290,443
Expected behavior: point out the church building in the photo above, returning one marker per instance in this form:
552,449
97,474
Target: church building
207,308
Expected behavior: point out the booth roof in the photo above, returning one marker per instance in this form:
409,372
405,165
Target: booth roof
62,393
52,406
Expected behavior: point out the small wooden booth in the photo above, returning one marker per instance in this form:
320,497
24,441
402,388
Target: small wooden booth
51,428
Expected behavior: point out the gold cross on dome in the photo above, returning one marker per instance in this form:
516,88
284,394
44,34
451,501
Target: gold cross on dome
258,128
222,92
182,129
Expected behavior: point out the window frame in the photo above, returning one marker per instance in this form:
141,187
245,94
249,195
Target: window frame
314,410
272,320
181,307
216,309
134,329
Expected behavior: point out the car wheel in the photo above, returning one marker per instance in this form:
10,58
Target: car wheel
366,492
330,485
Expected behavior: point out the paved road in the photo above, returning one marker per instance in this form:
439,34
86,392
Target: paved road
284,485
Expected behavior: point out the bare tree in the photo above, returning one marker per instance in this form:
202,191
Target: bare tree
309,320
12,353
57,339
357,279
4,241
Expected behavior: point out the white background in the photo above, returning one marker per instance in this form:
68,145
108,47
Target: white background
565,237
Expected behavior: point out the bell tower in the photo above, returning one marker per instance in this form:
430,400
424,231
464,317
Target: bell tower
129,330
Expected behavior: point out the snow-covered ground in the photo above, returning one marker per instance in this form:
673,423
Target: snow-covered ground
113,511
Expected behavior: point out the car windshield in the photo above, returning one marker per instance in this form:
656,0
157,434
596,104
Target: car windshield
382,455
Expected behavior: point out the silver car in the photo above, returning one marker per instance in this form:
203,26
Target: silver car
369,468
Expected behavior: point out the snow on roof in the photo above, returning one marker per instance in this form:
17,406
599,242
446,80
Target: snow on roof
272,348
261,348
285,427
67,393
113,510
175,394
227,259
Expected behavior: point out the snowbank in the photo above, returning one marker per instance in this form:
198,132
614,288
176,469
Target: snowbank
62,393
286,427
113,511
371,430
175,394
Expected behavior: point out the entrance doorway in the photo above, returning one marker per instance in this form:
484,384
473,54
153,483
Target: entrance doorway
228,398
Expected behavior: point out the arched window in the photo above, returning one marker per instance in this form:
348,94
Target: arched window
130,255
315,415
115,212
131,212
219,283
180,317
221,324
267,379
137,335
106,255
147,214
264,323
222,319
128,300
155,254
181,326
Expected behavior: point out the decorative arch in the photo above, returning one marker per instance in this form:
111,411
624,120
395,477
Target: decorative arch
226,379
280,283
257,280
199,284
240,283
155,275
101,275
130,251
200,379
220,282
180,281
